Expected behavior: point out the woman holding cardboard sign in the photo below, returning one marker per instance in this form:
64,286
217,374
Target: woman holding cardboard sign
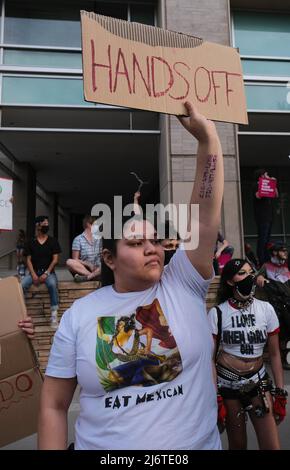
140,346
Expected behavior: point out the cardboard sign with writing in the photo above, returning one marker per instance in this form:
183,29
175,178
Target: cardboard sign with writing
267,187
20,378
6,192
145,67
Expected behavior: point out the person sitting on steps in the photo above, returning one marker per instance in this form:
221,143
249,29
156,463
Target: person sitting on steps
42,256
85,264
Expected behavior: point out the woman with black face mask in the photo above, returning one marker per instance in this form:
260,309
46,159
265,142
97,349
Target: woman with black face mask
170,246
242,326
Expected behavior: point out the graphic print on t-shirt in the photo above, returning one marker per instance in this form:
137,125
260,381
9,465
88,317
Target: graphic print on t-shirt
244,332
136,349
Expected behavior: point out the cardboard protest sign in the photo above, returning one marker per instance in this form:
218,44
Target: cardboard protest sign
145,67
267,187
20,378
6,186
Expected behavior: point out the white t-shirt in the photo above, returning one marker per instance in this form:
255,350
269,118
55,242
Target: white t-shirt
143,361
245,333
277,272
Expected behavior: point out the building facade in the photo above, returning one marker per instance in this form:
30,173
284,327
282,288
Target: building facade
65,154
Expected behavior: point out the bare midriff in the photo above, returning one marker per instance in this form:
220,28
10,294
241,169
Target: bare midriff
239,364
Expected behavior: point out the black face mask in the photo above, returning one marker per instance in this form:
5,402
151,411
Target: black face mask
168,255
246,287
44,229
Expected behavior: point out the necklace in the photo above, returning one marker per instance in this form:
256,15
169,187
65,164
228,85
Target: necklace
241,305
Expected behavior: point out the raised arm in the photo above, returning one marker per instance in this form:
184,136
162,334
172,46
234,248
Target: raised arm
136,203
208,188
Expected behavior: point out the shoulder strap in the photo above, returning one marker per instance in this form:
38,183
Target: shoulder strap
219,325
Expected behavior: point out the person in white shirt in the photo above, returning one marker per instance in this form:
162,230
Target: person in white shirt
242,326
140,347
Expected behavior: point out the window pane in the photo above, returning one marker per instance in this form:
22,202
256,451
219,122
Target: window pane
44,24
262,33
0,19
57,23
71,60
85,118
142,14
266,67
117,10
42,90
268,97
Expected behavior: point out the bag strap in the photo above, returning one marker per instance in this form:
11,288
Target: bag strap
219,325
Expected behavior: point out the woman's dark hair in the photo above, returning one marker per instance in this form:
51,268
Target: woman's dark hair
107,275
130,323
88,219
259,172
232,267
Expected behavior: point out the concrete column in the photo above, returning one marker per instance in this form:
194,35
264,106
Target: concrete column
55,215
210,20
165,174
30,200
45,206
64,235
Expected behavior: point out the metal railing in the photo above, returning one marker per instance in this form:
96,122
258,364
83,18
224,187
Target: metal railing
8,253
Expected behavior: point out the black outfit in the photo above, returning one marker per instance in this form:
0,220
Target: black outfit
263,212
278,295
41,254
250,255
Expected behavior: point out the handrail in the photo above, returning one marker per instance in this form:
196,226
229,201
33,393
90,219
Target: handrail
6,253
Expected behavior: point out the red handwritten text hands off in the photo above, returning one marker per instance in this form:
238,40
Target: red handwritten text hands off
123,67
13,389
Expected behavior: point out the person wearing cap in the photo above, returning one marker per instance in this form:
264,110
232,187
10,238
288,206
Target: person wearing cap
277,268
274,279
241,326
42,256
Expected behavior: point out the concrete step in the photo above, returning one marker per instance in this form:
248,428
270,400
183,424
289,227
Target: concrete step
38,307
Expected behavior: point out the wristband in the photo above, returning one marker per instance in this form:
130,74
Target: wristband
277,391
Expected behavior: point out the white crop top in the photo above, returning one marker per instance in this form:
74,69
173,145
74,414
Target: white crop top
245,333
